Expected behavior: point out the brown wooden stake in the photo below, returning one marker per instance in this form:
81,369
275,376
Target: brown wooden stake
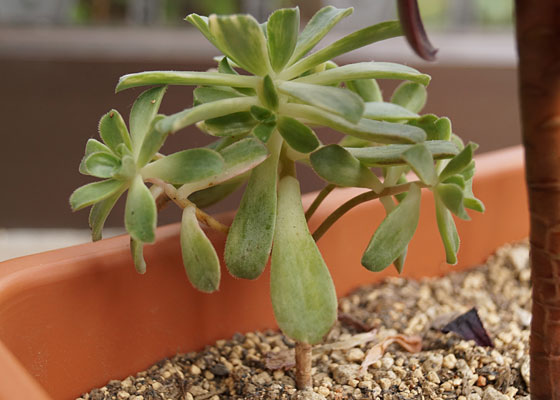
538,42
303,366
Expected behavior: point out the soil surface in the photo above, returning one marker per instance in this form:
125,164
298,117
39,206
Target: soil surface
448,367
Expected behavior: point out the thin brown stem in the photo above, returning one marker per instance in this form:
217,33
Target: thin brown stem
303,366
318,200
183,202
362,198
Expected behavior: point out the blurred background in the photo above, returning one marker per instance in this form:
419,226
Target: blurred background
60,61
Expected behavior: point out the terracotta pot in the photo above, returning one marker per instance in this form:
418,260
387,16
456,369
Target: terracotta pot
72,319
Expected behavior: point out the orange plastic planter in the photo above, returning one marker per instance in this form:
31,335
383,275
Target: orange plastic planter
72,319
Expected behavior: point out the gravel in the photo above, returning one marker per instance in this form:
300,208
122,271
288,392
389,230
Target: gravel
447,367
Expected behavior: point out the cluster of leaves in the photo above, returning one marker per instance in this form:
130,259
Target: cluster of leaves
264,124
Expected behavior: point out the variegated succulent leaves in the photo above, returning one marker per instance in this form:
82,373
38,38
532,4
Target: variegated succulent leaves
264,123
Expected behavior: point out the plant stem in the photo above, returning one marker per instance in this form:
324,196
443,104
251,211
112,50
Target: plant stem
201,216
303,366
318,200
362,198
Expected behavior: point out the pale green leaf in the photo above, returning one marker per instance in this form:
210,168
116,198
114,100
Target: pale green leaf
102,165
301,287
339,101
392,154
207,197
92,146
127,171
152,143
469,201
420,159
451,195
458,163
282,35
447,231
411,96
387,112
199,256
268,94
262,114
143,112
367,89
93,192
435,128
336,165
373,131
239,158
395,232
250,236
140,212
188,78
241,39
113,131
365,70
231,125
202,112
137,252
363,37
200,22
99,213
299,136
317,27
185,166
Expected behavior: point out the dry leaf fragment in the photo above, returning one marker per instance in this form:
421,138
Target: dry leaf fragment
286,359
350,320
412,344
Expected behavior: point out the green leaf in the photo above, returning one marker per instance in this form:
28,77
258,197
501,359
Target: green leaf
282,34
250,236
299,136
268,94
365,70
317,27
152,142
99,213
208,94
392,154
387,112
113,131
468,172
436,128
301,287
469,201
263,131
373,131
420,159
336,165
93,192
451,195
339,101
225,67
140,212
411,96
371,34
447,231
102,165
188,78
261,114
236,124
202,112
199,256
458,163
241,39
367,89
239,158
185,166
395,232
137,252
143,112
